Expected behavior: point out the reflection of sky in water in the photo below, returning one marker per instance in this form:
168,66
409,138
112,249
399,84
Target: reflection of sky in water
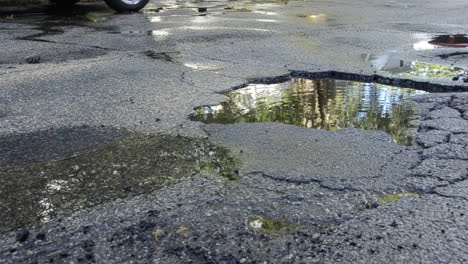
320,104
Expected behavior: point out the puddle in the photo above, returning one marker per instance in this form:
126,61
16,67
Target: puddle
61,15
52,18
157,34
320,104
426,70
135,32
392,64
314,18
132,165
387,199
270,226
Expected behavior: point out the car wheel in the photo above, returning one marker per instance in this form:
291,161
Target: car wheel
64,3
126,5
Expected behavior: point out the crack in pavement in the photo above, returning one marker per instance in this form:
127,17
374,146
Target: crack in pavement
301,182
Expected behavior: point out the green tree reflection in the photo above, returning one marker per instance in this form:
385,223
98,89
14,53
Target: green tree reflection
319,104
421,69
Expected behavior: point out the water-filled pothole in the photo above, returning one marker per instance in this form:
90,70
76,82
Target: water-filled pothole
133,165
320,104
394,65
426,70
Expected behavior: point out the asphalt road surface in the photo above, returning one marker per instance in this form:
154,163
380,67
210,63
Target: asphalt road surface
100,161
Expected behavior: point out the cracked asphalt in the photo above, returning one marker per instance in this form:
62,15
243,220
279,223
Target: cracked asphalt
100,162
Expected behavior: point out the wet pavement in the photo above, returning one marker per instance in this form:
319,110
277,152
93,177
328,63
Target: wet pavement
134,164
103,160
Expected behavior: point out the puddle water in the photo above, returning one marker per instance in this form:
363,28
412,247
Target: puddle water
321,104
130,166
134,32
426,70
392,64
60,15
157,34
51,20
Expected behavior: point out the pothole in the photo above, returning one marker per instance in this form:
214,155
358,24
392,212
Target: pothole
329,104
387,63
133,165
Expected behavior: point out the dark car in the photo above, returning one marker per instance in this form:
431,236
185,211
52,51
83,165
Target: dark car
118,5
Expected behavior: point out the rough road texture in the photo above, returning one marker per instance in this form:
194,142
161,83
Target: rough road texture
296,195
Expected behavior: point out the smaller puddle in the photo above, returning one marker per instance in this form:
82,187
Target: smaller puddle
320,104
134,32
157,34
392,64
426,70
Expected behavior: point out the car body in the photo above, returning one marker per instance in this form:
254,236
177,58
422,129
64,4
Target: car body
118,5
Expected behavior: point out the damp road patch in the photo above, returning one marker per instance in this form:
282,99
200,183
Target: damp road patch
320,104
45,145
38,33
133,165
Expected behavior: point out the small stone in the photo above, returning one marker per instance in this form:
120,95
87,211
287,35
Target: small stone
127,188
433,137
34,59
3,110
22,235
41,236
157,234
444,112
256,224
243,260
394,224
455,125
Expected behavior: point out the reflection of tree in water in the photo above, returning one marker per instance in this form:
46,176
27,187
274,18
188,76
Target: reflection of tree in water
319,104
421,69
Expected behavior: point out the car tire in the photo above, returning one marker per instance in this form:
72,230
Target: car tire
64,3
126,5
